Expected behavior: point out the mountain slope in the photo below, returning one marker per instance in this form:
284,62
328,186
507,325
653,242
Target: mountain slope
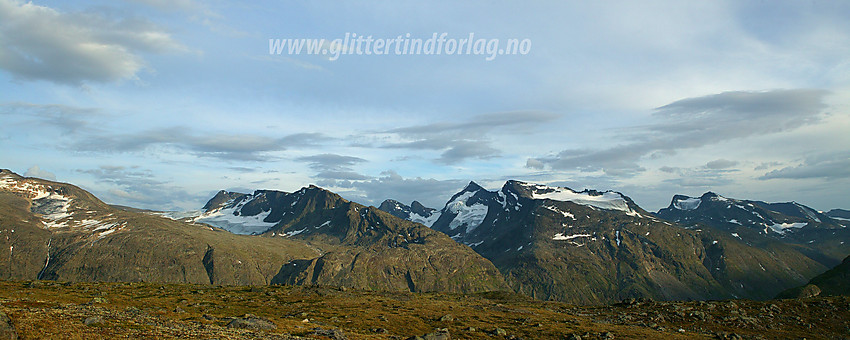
596,247
57,231
361,246
835,281
758,223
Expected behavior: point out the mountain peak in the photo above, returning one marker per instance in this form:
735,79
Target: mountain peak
220,199
709,195
472,186
420,209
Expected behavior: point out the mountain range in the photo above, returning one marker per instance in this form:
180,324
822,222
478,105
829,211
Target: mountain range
56,231
550,243
597,247
815,234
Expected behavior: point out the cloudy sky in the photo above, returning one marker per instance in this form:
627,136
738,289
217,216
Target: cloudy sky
160,103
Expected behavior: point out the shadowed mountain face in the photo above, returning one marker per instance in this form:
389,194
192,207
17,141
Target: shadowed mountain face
835,281
597,247
840,215
818,236
60,232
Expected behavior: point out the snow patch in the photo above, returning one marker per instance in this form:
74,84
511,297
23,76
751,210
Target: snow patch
427,221
179,215
690,203
781,228
608,200
556,210
54,210
475,244
562,237
226,219
107,232
293,233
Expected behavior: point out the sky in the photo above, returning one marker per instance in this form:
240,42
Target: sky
158,104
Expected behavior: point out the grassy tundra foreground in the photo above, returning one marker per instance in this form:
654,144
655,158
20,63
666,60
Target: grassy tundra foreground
47,309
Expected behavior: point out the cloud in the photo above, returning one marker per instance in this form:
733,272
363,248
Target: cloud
832,166
431,192
337,171
700,182
696,122
720,164
330,161
519,121
711,174
767,165
35,171
468,139
138,188
68,119
241,147
89,132
334,167
534,164
72,48
173,5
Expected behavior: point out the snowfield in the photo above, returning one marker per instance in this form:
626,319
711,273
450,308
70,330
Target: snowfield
469,216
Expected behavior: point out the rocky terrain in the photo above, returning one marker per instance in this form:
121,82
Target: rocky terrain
48,309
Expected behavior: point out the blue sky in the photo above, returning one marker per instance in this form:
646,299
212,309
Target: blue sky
158,104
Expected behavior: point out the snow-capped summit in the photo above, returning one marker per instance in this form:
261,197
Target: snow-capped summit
466,210
415,212
475,215
608,200
259,212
